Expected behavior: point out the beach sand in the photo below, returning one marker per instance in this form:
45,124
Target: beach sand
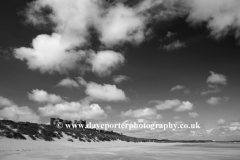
12,149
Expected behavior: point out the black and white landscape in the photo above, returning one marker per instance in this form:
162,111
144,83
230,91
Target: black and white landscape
125,62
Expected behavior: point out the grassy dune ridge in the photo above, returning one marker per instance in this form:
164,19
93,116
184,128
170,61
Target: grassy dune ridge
20,130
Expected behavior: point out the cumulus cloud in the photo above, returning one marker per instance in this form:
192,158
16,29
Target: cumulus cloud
120,78
67,82
104,62
221,16
167,104
50,54
105,92
193,114
211,89
214,100
122,24
94,91
170,34
73,110
216,78
185,106
5,102
13,112
42,96
180,87
147,113
175,104
174,45
81,81
221,122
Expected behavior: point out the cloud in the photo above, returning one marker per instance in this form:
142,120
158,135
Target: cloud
50,54
216,78
73,110
71,19
214,100
105,92
193,114
217,100
120,78
21,114
81,81
67,82
104,62
177,105
221,16
42,96
170,34
174,45
5,102
13,112
147,113
180,87
221,122
122,24
167,104
185,106
212,89
97,92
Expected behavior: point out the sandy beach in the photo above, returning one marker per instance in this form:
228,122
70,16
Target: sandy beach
12,149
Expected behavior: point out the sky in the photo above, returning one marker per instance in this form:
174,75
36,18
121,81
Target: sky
122,61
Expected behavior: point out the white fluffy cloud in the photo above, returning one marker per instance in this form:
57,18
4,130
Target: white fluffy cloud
5,102
221,16
174,45
120,78
81,81
16,113
170,34
105,92
193,114
13,112
175,104
42,96
71,18
67,82
73,110
104,62
185,106
122,24
211,89
147,113
216,78
214,100
94,91
167,104
50,54
180,87
221,122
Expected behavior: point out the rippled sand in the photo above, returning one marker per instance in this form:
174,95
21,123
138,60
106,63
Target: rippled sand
63,150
